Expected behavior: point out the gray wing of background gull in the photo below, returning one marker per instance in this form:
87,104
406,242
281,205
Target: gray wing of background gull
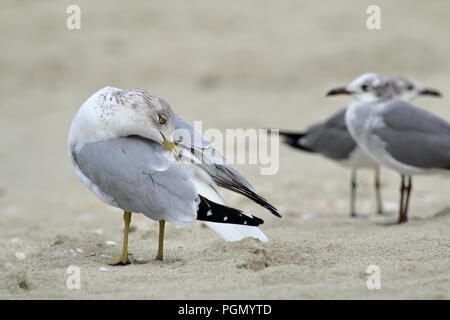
414,136
207,158
136,173
329,138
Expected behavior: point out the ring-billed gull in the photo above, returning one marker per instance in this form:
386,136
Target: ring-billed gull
397,135
332,140
119,142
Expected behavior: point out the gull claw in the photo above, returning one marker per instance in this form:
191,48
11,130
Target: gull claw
122,260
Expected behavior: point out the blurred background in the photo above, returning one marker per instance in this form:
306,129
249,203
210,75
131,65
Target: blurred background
246,64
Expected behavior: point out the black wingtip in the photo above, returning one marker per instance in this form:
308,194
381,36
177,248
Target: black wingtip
213,212
257,198
263,202
292,139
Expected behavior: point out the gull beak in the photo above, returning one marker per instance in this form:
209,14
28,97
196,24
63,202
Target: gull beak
169,145
337,91
430,92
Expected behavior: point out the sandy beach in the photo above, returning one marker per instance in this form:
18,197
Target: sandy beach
248,65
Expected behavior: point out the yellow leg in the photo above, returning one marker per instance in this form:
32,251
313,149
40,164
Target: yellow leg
123,259
160,254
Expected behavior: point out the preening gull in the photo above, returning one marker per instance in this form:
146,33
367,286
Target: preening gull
397,135
121,144
332,140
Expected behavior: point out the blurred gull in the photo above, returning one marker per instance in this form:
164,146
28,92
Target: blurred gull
407,89
332,140
119,142
397,135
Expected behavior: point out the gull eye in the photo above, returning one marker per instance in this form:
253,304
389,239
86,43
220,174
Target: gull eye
410,87
162,120
365,87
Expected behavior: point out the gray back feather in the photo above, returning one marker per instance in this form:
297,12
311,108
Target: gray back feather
136,173
330,138
415,136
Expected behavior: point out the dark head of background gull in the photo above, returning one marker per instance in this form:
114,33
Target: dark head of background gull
366,88
407,89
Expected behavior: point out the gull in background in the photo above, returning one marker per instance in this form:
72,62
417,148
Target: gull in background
332,140
407,89
121,145
397,135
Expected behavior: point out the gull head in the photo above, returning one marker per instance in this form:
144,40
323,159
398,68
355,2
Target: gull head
407,89
114,113
368,87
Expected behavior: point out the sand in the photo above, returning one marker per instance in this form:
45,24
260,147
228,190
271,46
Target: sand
264,65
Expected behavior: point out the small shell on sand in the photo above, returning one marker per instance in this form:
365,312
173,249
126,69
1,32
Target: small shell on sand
103,269
20,255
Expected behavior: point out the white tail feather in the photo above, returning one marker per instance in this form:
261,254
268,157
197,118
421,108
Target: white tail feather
235,232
